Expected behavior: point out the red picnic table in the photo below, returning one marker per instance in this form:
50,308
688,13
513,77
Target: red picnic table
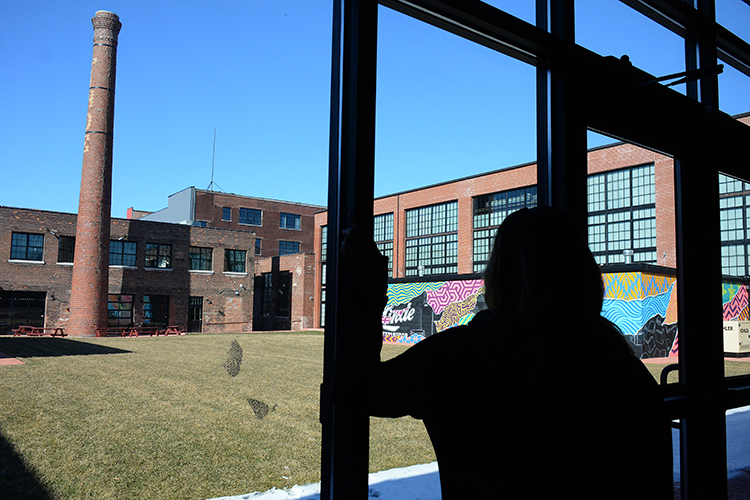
38,331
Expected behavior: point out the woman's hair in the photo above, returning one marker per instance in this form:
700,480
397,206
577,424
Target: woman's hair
541,266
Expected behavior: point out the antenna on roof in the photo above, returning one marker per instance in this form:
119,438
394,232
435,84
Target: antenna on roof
213,158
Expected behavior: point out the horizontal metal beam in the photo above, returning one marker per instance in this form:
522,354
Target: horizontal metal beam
483,24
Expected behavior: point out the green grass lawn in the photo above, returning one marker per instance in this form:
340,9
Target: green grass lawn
102,418
132,418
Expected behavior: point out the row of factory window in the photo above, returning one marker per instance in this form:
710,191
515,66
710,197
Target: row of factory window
622,224
30,247
254,217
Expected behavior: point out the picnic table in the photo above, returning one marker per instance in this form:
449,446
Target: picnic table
38,331
137,331
114,330
173,329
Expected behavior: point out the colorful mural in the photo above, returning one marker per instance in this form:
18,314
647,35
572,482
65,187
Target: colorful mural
644,306
417,310
735,299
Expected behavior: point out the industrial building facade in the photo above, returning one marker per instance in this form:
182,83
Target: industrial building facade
280,227
160,274
444,232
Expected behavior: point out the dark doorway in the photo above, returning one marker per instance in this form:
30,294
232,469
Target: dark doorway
272,308
156,310
21,308
195,314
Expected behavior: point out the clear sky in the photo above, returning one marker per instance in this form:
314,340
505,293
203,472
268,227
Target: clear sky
258,72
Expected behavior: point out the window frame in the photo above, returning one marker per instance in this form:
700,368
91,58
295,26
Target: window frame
163,255
232,263
495,208
122,253
285,217
295,244
66,253
30,252
734,198
250,221
431,244
198,255
617,214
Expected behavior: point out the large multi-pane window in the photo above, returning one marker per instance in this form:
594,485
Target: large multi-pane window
251,216
734,212
122,253
234,261
158,255
323,272
383,236
119,310
288,247
622,215
66,249
432,240
490,210
27,246
290,221
201,259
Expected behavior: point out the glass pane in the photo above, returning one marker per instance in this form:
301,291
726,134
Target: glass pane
734,91
446,108
611,28
522,9
734,15
632,235
734,214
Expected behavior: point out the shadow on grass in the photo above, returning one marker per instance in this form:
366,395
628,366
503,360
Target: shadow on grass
16,479
25,347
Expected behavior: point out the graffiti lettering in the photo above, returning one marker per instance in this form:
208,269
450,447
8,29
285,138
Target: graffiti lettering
391,316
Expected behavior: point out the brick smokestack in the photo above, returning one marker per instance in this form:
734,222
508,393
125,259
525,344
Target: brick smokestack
88,298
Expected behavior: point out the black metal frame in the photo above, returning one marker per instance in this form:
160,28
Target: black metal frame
576,90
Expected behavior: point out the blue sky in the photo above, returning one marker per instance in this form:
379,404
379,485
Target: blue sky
258,71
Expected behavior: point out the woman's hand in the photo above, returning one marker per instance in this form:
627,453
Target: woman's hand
365,275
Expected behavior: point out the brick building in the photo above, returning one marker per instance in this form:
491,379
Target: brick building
160,274
444,232
280,227
284,250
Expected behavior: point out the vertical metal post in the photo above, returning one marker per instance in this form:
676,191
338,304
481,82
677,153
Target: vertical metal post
703,461
561,128
703,454
345,433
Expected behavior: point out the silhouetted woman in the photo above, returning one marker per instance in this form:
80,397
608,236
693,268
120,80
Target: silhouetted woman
537,397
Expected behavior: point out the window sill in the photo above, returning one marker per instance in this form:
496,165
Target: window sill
199,271
157,268
233,273
113,266
249,224
64,263
22,261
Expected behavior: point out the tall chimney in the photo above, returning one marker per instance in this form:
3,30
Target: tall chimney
88,297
